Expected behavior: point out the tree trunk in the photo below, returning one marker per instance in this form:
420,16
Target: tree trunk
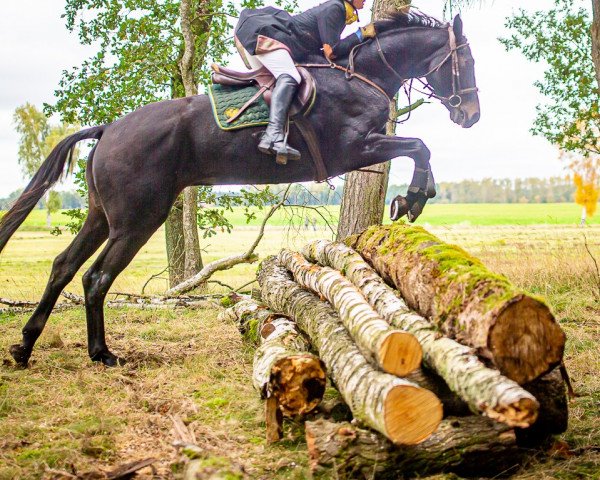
467,446
282,366
363,199
595,32
517,332
402,411
193,257
484,389
395,351
175,243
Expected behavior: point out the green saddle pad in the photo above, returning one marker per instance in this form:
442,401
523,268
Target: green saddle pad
227,100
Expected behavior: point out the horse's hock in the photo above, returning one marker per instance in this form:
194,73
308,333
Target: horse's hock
515,331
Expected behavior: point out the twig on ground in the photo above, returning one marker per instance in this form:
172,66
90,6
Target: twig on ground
221,283
156,275
245,285
18,303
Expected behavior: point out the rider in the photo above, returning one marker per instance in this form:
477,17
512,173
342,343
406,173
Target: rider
275,39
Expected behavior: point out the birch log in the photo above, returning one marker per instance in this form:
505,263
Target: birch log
517,332
402,411
484,389
395,351
469,446
282,366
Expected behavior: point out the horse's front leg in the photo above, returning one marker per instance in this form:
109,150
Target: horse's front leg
380,148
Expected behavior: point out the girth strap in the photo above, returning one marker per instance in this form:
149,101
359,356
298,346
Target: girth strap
310,137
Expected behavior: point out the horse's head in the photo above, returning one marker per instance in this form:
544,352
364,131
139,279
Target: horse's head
451,74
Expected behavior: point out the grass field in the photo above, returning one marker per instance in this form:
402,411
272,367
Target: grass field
435,214
66,413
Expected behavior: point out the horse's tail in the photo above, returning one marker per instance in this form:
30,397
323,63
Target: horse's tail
45,177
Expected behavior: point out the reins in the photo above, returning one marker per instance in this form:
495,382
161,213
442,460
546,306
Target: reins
454,100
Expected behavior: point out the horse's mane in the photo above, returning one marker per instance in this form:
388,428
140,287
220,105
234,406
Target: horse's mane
414,18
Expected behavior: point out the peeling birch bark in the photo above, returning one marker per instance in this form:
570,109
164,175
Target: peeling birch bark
397,408
442,282
395,351
282,366
468,446
484,389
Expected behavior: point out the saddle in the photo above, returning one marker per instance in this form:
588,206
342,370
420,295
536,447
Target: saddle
262,77
302,104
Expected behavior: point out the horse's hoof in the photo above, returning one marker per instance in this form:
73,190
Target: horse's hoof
108,359
20,354
398,208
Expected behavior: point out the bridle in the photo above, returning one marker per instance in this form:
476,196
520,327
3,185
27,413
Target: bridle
454,100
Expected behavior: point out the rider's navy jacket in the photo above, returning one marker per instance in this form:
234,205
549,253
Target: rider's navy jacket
302,34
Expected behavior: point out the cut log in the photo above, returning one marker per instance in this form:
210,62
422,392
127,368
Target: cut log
553,417
469,445
283,367
395,351
484,389
469,303
399,409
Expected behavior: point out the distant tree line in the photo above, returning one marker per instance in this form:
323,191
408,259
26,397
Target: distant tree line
488,190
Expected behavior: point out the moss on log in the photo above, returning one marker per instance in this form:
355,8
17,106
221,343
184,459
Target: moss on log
402,411
484,389
467,445
283,368
395,351
469,303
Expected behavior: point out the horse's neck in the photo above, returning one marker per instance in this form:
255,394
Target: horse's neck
409,52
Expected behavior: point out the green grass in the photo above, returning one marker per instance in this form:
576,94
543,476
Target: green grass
65,411
434,214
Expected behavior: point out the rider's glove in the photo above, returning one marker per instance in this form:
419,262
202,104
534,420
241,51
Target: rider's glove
328,52
368,31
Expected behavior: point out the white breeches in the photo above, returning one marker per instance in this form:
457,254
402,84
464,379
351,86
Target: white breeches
278,62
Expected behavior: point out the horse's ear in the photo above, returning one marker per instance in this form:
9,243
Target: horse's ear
458,26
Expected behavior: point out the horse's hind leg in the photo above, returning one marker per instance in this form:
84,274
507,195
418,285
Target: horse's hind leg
64,268
117,254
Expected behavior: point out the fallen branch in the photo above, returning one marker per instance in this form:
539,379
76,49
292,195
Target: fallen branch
226,263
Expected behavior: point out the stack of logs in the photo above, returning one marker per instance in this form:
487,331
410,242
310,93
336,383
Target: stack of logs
372,311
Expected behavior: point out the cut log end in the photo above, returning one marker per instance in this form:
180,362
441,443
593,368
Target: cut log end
298,383
411,414
400,353
540,343
522,413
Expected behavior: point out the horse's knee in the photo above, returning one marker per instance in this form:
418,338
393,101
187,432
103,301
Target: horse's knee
62,271
422,153
95,286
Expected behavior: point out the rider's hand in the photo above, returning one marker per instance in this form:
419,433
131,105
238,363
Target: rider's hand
328,52
368,31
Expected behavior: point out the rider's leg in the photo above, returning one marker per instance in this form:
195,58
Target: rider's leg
280,64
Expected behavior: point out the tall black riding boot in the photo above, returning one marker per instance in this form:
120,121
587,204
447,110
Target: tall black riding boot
273,141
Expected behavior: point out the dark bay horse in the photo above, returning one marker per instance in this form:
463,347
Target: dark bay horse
145,159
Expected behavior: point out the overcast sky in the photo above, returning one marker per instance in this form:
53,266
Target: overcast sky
35,48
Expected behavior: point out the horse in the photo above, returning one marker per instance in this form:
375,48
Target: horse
142,161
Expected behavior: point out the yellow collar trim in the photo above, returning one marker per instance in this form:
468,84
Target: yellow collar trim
351,14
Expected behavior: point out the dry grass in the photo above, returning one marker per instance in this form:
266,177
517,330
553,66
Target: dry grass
66,413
